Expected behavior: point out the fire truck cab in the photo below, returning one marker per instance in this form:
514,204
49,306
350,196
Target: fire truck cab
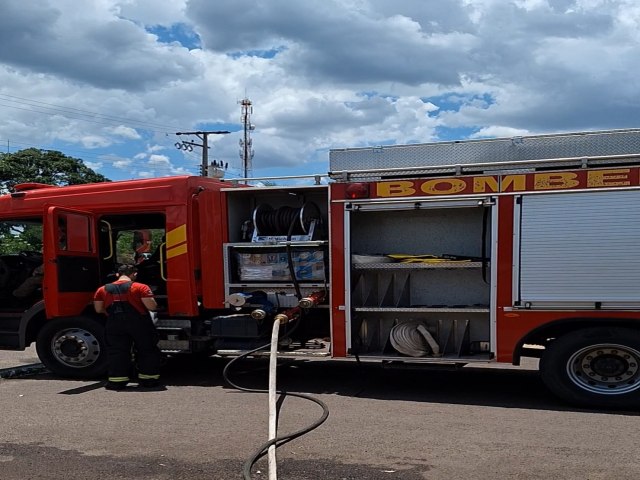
85,232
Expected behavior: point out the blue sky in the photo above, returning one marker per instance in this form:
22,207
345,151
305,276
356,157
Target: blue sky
112,81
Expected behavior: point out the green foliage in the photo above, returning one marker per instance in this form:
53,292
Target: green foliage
126,247
17,237
44,166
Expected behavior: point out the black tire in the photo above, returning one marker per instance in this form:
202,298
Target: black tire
595,367
73,347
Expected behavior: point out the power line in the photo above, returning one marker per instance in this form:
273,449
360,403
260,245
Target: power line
35,106
94,117
83,119
110,159
90,157
23,145
84,154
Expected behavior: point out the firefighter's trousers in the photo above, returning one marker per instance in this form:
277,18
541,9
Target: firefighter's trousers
124,332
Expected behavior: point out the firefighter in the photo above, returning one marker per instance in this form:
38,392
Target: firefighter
127,304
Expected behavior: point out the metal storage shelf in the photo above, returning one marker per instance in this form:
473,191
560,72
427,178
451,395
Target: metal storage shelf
415,266
271,245
422,309
448,359
438,279
301,283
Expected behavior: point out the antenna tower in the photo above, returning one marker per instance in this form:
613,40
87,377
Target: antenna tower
246,148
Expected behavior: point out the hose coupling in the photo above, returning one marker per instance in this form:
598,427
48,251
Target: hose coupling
312,300
281,318
258,314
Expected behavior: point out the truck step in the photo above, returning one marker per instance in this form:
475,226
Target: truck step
9,339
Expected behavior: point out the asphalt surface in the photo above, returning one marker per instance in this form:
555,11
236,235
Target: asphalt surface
383,424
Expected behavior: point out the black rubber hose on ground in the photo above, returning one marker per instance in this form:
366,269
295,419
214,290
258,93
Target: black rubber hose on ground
278,441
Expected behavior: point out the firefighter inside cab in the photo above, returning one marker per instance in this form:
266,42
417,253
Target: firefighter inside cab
128,304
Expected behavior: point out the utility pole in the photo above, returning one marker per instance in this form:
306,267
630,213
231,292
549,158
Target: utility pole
246,150
184,145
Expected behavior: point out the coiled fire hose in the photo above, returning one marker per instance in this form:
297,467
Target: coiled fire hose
409,338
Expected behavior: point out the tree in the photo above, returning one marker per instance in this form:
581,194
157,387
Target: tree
40,166
44,166
19,236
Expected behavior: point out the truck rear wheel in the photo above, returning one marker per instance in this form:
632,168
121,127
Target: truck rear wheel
595,367
73,347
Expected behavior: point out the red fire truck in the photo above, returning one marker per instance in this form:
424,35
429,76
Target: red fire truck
450,253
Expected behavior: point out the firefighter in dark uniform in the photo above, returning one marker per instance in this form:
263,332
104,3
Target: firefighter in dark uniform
127,304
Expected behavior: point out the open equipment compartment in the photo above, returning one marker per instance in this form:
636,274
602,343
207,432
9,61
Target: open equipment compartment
440,278
267,227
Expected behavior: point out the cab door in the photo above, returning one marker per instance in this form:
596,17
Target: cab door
71,261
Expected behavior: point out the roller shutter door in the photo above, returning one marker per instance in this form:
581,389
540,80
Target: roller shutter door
580,247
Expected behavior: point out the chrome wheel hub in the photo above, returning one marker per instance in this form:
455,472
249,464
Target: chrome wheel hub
605,369
75,347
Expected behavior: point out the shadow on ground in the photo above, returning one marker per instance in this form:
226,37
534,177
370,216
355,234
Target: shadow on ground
494,387
37,461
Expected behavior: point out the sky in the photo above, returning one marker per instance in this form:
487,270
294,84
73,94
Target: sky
112,81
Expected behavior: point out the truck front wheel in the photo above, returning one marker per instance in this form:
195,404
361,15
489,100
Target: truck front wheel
595,367
73,347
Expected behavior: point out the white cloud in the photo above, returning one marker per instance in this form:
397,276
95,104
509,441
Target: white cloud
124,132
89,45
325,74
122,164
158,160
152,12
94,141
495,131
94,165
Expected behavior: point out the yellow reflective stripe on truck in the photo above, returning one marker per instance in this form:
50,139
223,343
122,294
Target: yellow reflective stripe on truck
177,241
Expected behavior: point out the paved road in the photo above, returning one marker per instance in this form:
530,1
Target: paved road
9,359
383,424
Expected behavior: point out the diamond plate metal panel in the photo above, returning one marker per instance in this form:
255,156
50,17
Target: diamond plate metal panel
416,266
507,150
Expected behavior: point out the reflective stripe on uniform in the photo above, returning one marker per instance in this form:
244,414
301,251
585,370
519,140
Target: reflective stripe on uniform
118,379
142,376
